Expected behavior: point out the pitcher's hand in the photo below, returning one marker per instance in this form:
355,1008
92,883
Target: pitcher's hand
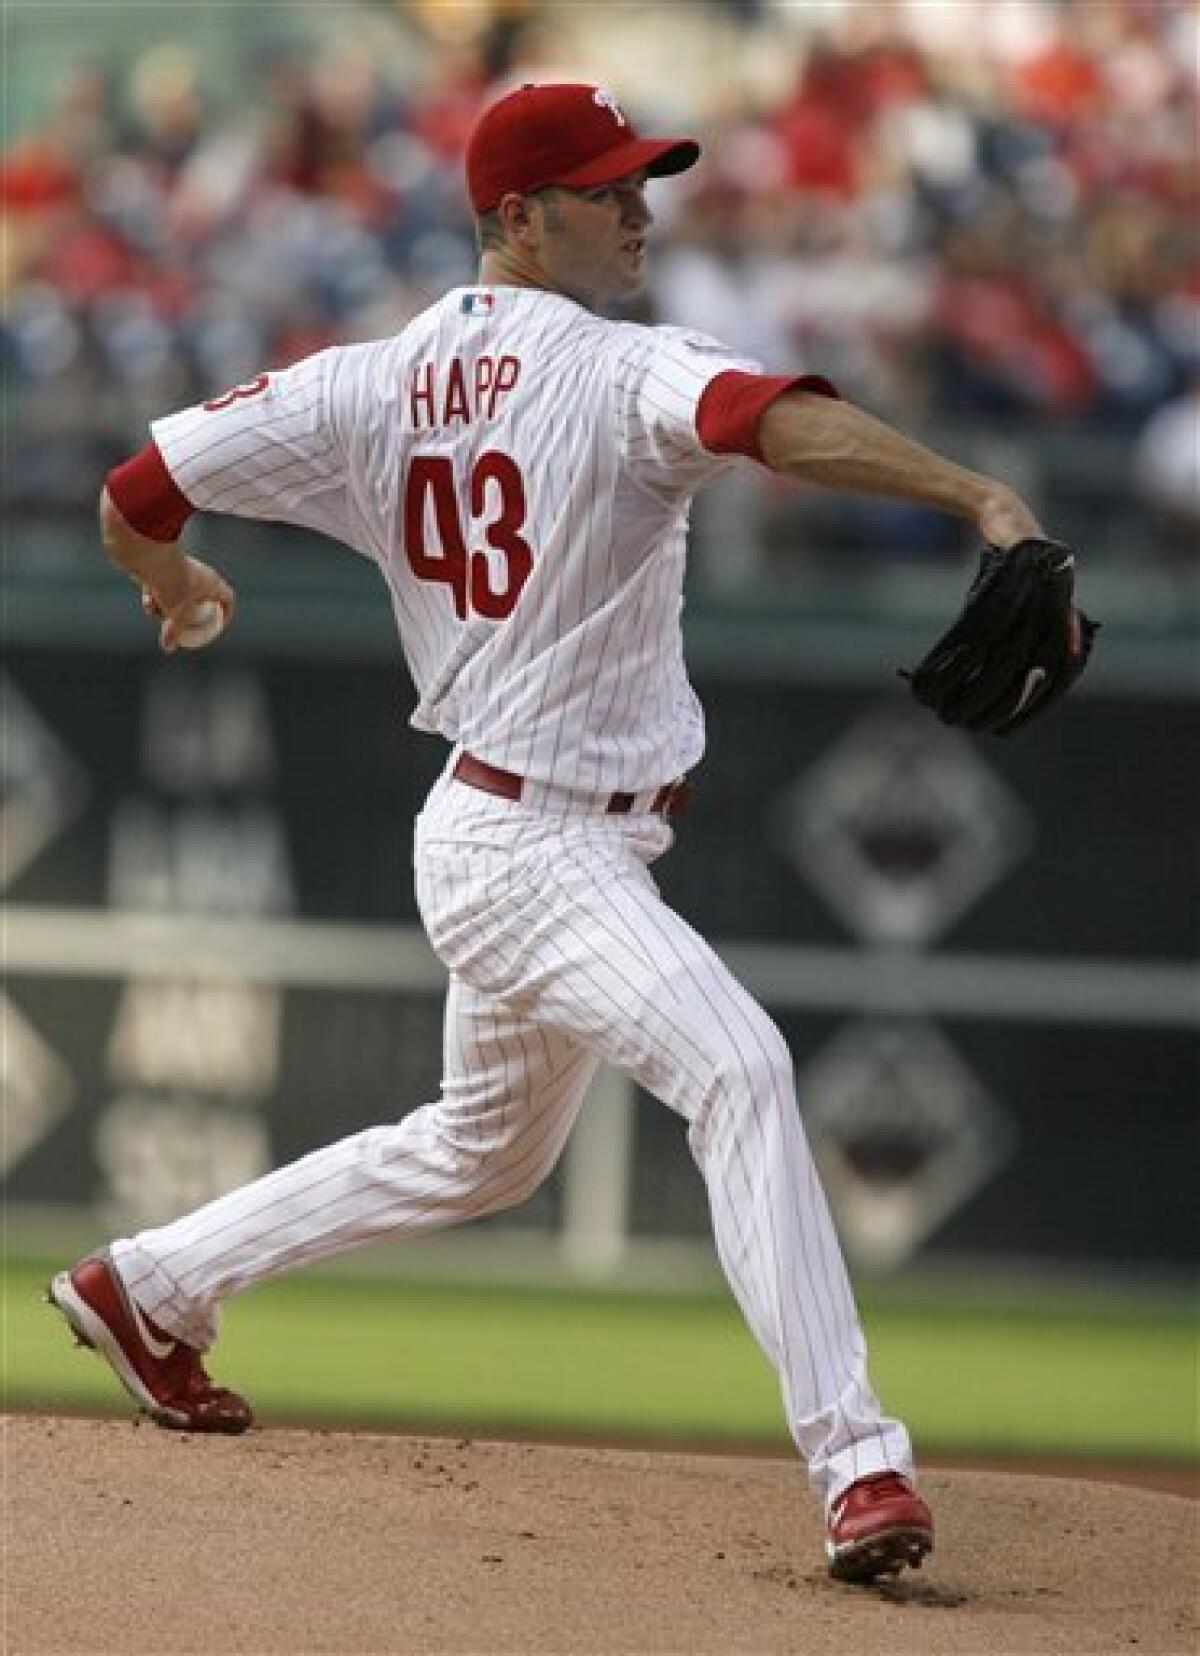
174,591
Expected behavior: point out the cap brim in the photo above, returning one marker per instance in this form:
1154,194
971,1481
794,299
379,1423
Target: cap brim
660,157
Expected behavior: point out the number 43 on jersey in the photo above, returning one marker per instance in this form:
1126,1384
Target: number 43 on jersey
497,501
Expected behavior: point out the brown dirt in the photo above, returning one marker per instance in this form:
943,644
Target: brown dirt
120,1539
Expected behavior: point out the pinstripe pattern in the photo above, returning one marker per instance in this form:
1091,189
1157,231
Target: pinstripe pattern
510,1094
562,954
560,951
583,686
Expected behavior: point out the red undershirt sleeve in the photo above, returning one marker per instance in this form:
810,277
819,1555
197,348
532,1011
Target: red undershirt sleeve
732,404
148,497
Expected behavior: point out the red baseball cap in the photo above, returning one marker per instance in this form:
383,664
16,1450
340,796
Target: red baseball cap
568,134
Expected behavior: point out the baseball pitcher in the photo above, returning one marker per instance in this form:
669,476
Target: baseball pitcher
520,469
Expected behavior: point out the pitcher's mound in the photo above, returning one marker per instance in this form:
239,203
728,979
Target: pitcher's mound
130,1540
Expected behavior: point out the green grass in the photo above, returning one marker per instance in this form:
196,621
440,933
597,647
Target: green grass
1102,1378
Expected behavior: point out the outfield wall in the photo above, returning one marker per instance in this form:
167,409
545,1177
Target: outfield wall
979,952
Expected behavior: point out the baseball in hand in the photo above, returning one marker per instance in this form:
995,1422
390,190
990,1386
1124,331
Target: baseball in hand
205,621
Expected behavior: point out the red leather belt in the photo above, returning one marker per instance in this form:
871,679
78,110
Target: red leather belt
671,800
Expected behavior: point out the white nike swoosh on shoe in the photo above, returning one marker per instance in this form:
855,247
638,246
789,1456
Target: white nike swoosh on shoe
1033,679
156,1347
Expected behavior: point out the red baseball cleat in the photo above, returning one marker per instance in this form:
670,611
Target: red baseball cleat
164,1375
876,1527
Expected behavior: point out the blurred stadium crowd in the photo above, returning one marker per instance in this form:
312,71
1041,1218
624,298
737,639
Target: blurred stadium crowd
982,211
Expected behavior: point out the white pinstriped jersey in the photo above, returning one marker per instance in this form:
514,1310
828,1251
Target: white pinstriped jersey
521,470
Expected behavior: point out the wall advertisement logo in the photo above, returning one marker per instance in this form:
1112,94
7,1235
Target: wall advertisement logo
901,826
903,1132
42,787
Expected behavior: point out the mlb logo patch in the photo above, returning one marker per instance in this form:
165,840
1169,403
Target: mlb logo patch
478,304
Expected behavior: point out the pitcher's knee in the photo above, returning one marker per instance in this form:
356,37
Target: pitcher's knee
506,1182
753,1078
485,1166
760,1066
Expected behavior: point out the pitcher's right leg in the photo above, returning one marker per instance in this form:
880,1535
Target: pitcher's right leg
612,964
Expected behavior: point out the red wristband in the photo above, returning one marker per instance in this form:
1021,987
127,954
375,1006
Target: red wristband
148,497
733,403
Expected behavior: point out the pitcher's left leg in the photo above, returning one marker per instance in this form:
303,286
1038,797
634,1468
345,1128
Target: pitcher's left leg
149,1305
510,1092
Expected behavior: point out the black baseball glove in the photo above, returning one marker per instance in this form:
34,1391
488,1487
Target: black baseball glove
1018,645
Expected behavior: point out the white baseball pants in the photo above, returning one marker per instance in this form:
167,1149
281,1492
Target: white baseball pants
562,954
